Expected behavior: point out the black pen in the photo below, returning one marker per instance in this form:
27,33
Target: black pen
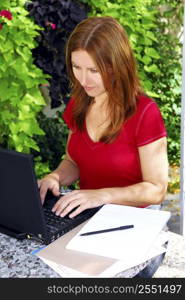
108,230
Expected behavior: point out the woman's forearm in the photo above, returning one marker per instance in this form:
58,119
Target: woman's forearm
67,172
140,194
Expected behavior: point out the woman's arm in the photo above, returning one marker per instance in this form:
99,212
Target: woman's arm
154,166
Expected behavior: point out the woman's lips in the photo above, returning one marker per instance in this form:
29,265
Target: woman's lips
88,88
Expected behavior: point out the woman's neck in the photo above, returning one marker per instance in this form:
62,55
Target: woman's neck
100,100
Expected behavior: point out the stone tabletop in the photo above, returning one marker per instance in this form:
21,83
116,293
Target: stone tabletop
173,265
18,261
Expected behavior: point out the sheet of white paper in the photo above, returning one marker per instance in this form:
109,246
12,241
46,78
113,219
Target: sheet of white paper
156,249
131,244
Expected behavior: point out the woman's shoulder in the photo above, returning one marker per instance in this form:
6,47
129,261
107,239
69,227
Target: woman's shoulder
144,101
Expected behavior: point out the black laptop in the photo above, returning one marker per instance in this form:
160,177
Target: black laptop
21,212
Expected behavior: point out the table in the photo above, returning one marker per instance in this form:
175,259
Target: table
173,265
17,260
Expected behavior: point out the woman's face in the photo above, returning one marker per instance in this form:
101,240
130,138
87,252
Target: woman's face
86,72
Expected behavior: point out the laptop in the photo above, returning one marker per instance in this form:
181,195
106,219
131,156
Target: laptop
22,214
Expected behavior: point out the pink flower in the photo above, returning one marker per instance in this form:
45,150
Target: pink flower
53,26
6,13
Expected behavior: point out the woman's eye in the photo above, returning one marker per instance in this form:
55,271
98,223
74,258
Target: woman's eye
94,71
75,67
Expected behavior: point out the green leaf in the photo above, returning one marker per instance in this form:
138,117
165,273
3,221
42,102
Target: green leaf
24,108
5,4
133,38
23,143
152,94
20,67
5,90
147,85
152,52
28,98
26,127
8,57
6,115
148,42
176,108
150,35
146,59
153,69
32,144
14,129
24,52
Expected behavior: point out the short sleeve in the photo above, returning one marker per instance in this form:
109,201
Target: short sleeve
150,126
67,114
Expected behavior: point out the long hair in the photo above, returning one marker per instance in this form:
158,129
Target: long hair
107,43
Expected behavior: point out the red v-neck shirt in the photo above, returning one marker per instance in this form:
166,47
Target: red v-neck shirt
116,164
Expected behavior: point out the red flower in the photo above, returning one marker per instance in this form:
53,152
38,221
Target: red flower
53,26
5,13
1,26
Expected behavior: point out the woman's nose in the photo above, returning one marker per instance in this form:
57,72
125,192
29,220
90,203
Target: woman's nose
83,79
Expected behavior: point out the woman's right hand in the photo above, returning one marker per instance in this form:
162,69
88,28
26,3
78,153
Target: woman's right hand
49,182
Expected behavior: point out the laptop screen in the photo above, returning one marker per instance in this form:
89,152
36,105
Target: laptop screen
20,205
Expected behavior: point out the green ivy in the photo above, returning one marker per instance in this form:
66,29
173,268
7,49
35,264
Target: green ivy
169,84
20,97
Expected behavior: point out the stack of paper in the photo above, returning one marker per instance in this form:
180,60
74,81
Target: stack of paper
107,254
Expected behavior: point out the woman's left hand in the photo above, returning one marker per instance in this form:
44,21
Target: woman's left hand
79,199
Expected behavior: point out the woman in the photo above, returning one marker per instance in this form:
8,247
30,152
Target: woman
117,144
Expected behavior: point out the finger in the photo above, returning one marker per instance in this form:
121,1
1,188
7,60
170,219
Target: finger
43,192
57,205
63,202
64,208
77,211
69,208
55,190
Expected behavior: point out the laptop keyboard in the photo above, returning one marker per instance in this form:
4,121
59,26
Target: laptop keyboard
57,226
53,221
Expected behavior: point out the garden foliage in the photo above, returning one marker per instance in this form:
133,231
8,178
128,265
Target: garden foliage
168,85
20,97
